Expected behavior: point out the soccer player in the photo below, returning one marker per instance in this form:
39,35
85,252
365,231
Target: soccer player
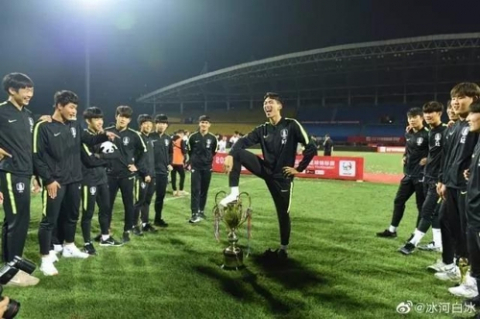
16,169
57,161
469,289
328,146
414,160
452,185
432,113
278,139
163,153
95,182
123,170
202,147
178,163
145,185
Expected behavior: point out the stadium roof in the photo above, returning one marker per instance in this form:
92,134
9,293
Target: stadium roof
408,67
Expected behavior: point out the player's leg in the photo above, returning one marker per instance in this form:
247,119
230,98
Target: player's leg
252,163
71,211
181,187
113,186
127,186
195,189
160,190
104,211
147,227
204,186
140,196
173,174
89,195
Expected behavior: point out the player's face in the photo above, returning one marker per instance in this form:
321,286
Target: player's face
204,126
23,96
473,120
95,124
122,121
161,127
415,121
68,112
147,128
460,105
432,117
271,107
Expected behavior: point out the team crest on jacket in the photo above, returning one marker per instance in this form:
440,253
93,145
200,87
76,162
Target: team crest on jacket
74,132
30,120
93,190
419,141
465,131
166,142
438,138
20,187
284,135
209,142
143,185
126,140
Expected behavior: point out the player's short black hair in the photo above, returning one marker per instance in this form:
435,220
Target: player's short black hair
161,118
475,107
92,112
204,118
142,118
415,111
273,96
432,106
466,89
65,97
124,111
16,81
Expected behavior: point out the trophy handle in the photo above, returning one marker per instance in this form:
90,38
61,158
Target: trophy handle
221,194
245,212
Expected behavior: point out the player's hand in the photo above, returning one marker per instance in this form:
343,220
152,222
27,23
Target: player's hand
111,136
450,123
132,168
289,171
466,174
404,160
4,154
228,164
35,186
46,118
148,179
408,128
52,189
3,306
441,190
170,168
1,198
423,161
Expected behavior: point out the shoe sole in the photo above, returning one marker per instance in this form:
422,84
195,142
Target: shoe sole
462,295
110,245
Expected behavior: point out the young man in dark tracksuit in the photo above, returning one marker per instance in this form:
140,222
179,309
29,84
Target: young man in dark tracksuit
414,160
57,161
95,182
202,147
279,139
145,184
122,171
163,154
16,169
452,186
469,288
432,112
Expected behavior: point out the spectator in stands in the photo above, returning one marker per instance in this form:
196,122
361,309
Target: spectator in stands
327,146
222,145
234,138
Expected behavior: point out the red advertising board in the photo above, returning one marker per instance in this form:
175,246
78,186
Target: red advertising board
345,168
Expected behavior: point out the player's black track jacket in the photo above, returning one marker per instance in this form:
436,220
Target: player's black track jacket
416,148
473,190
435,152
163,152
201,150
279,145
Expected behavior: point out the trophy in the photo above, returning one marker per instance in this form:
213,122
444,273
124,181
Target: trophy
234,216
464,267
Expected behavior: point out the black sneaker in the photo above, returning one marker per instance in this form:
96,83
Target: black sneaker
407,249
161,223
409,238
98,238
201,215
195,219
126,236
110,241
137,231
282,254
89,249
387,234
270,254
148,228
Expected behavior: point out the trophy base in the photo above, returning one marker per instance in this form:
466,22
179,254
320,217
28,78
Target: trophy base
233,258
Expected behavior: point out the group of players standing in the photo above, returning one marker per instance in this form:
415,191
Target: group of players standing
442,168
72,166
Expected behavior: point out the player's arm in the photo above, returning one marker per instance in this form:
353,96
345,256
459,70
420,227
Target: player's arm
215,145
89,159
140,154
91,139
40,145
190,145
170,152
310,150
252,138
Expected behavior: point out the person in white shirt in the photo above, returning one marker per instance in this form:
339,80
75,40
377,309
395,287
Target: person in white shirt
222,145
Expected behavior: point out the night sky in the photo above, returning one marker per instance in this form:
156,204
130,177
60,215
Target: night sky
137,46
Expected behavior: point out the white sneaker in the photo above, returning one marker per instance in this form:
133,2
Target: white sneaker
467,290
48,268
452,274
57,248
72,251
53,256
229,199
431,247
438,266
183,193
22,279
